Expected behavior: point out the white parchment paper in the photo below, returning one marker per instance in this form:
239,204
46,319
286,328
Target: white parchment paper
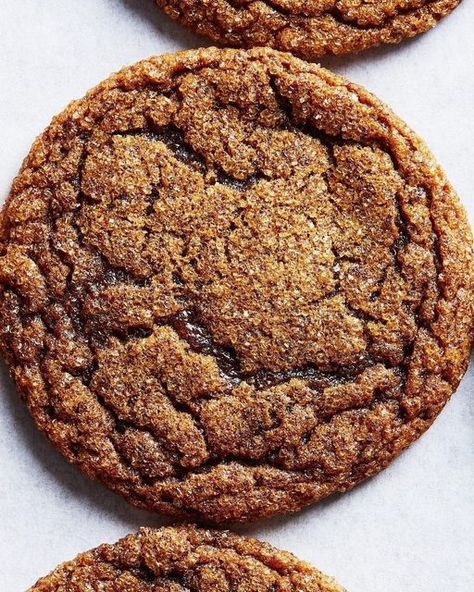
411,528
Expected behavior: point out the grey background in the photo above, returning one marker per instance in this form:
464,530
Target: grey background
409,529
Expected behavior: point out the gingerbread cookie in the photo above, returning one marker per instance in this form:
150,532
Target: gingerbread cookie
233,283
186,558
308,29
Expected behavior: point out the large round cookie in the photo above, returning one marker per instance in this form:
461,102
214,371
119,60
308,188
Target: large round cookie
232,283
179,559
309,29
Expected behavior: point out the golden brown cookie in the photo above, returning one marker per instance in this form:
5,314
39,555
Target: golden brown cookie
233,283
179,559
308,29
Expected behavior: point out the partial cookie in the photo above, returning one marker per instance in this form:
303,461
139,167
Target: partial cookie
178,559
233,283
308,29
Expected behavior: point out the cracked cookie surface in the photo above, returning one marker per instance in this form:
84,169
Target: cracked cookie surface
309,29
233,283
179,559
